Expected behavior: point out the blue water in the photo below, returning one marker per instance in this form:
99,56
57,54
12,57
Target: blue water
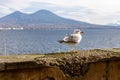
45,41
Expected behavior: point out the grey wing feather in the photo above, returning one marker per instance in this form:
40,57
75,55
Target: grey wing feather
71,37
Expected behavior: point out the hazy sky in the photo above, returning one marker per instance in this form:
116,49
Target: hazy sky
93,11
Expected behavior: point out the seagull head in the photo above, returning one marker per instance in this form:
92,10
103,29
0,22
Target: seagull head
77,31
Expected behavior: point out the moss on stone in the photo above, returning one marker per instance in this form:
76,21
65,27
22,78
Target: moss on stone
73,64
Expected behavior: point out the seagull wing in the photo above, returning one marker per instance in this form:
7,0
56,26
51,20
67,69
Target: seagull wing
71,38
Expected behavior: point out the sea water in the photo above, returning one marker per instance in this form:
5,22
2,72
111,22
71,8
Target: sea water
45,41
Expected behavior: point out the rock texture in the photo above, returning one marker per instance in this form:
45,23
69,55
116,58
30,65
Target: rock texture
98,64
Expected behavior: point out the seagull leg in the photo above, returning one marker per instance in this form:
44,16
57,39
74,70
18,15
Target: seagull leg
76,47
71,47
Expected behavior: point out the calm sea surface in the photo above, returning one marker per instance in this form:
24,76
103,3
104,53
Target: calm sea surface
45,41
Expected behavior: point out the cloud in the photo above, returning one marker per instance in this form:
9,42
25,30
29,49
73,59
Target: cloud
93,11
15,4
4,9
9,6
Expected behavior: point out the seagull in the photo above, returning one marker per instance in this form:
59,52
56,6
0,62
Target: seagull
72,39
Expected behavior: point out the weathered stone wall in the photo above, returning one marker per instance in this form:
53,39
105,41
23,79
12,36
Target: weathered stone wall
42,73
101,70
105,66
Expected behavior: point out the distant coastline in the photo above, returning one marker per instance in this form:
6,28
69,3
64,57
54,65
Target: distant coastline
44,19
9,28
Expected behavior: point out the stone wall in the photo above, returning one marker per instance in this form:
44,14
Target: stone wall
42,73
65,67
101,70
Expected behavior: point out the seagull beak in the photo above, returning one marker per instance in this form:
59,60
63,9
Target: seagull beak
81,32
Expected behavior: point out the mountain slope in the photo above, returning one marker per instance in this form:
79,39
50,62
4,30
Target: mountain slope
38,19
14,18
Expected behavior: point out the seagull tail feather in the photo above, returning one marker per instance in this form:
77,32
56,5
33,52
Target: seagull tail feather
61,41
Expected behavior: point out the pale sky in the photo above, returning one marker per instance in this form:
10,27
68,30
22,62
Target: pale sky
92,11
